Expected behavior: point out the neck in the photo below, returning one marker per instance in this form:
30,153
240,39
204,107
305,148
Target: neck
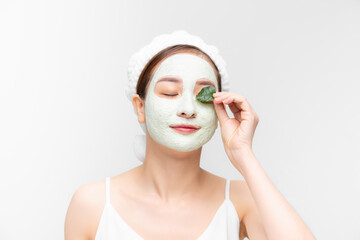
170,175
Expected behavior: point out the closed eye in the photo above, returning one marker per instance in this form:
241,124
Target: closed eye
171,95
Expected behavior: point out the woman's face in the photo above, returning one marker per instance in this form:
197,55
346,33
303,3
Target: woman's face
171,100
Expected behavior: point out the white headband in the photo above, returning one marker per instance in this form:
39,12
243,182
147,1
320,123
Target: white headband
139,60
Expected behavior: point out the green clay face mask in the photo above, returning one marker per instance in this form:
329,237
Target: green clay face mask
161,111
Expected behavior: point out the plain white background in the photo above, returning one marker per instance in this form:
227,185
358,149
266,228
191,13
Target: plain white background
65,121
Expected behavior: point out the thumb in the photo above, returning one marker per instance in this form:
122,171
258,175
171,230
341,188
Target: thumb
221,112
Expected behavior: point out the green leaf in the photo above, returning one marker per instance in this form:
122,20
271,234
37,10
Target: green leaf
206,94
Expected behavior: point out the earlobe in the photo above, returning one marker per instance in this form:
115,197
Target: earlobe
139,106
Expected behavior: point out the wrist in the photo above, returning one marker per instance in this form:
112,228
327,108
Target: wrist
242,152
241,157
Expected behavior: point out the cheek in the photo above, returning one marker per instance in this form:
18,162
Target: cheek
160,109
207,115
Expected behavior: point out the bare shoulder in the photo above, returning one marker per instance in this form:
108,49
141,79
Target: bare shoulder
84,211
241,197
239,194
251,225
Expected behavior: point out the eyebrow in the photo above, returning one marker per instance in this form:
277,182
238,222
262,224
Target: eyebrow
205,82
201,81
168,79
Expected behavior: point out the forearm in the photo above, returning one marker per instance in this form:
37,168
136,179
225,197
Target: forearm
281,222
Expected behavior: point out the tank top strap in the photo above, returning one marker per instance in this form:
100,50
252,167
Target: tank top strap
227,189
107,190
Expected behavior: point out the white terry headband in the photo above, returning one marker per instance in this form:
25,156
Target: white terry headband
140,58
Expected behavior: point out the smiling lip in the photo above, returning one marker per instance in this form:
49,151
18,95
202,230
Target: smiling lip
186,128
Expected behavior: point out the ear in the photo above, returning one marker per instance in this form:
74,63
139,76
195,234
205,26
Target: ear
139,106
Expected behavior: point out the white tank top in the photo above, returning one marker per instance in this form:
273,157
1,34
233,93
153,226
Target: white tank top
225,224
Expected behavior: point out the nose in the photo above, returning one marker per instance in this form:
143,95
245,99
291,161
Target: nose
186,107
187,116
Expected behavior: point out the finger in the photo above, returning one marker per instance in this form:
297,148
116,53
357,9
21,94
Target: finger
233,107
235,110
219,98
239,106
240,102
221,94
228,99
221,112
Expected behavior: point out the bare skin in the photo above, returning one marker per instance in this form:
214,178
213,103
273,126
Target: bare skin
169,189
170,186
185,218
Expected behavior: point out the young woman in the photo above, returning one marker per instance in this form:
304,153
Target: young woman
169,196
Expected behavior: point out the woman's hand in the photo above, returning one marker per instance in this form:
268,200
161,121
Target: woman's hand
237,133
